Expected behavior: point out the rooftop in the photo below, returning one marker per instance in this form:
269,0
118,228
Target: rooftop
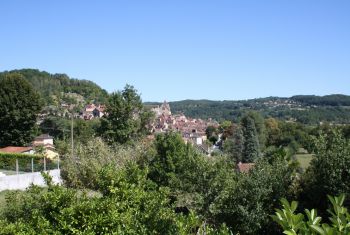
14,149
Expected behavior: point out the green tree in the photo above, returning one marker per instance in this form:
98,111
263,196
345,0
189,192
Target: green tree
251,149
19,107
85,130
169,160
233,146
273,131
126,118
57,127
246,202
210,131
329,172
259,124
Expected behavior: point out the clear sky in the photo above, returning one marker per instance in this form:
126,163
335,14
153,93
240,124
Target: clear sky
184,49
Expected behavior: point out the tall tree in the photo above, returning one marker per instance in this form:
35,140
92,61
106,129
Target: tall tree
126,117
251,149
234,145
19,107
259,123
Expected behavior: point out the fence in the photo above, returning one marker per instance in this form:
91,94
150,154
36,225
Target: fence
14,164
19,171
23,181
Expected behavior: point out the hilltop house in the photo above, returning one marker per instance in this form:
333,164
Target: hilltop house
44,139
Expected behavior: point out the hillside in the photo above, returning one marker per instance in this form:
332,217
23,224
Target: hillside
59,88
306,109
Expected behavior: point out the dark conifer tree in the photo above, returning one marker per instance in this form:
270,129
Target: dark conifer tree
251,149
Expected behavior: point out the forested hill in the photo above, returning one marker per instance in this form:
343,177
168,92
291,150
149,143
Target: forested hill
308,109
60,87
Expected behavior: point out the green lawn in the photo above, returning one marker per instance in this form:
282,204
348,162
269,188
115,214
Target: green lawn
304,159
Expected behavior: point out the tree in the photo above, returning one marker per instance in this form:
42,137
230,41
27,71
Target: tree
170,159
259,124
233,146
246,203
226,129
125,117
273,131
329,172
251,149
19,107
210,131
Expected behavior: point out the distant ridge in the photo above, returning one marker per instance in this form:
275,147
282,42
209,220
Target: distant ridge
308,109
57,89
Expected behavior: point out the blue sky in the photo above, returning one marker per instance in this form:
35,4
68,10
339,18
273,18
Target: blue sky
185,49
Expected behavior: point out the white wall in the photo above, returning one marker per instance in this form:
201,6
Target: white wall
23,181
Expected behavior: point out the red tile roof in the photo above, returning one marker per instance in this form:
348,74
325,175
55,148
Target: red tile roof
245,167
13,149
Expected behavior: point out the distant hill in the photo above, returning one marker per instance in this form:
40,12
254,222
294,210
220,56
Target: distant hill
308,109
59,88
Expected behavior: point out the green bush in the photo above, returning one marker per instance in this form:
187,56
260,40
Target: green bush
128,203
294,224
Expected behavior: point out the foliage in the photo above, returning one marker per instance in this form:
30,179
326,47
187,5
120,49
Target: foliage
251,146
194,180
60,128
273,132
57,127
81,170
126,117
304,110
85,130
170,159
245,203
329,172
259,123
234,145
129,204
52,86
19,107
328,100
8,161
294,224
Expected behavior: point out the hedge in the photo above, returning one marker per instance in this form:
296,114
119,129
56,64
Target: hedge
8,162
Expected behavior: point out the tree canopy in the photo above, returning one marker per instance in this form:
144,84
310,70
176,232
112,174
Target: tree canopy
126,117
19,106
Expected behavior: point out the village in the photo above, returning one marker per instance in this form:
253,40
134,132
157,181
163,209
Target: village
192,130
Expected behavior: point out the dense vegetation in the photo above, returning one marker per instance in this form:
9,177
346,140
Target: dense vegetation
19,106
59,88
304,109
119,180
